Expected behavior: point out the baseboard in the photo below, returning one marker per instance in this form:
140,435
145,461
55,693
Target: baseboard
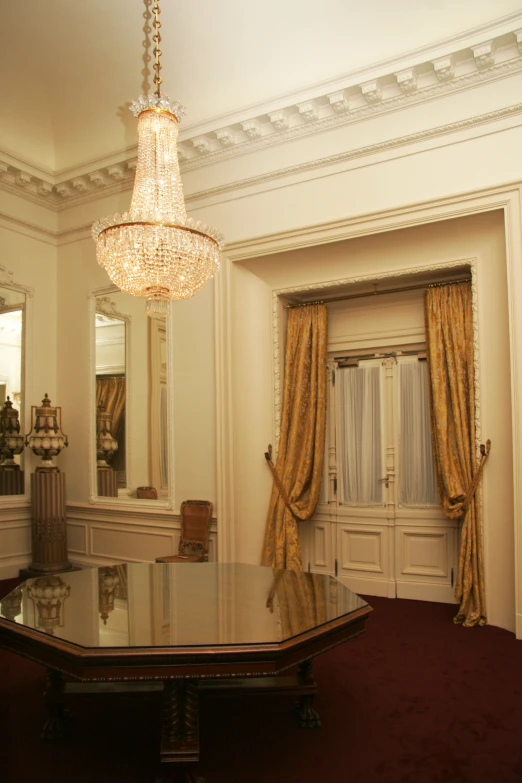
382,588
422,591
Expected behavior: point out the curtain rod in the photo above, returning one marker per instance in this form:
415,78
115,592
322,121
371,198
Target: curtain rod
380,293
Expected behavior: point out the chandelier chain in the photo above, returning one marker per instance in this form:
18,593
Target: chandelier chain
157,51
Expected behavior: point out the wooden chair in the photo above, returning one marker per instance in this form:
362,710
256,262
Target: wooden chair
196,516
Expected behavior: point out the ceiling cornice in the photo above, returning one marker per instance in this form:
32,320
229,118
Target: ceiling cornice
426,80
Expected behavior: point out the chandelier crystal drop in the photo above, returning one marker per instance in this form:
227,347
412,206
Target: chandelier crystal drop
155,251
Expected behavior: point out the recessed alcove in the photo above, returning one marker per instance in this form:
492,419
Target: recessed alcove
429,252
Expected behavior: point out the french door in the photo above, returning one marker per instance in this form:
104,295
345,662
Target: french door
378,526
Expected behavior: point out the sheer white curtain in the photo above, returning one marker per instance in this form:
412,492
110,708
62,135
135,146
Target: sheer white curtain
418,485
359,448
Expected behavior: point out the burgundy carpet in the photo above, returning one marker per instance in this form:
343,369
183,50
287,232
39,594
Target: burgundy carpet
415,699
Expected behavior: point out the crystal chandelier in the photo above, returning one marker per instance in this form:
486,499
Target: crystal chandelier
155,251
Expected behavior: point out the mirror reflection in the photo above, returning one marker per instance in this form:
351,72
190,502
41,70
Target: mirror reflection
12,308
131,399
110,403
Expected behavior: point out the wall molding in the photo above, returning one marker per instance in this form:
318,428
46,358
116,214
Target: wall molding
383,151
149,526
405,216
389,145
27,228
356,97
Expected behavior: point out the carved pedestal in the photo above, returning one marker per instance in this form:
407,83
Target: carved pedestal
49,525
180,738
306,715
11,481
107,483
58,716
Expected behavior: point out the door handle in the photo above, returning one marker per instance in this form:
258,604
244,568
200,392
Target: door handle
386,481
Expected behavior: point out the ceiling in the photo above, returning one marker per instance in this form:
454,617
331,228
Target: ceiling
70,67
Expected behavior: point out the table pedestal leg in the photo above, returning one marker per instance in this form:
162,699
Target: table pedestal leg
306,715
55,725
180,737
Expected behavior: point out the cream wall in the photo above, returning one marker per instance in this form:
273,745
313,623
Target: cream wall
252,400
194,395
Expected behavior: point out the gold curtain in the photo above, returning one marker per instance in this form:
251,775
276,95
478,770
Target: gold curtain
110,392
449,335
301,445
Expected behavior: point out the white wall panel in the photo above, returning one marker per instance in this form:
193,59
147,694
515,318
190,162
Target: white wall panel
15,548
15,540
362,549
77,535
423,552
129,545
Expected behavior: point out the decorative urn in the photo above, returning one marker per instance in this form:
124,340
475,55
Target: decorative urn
46,439
106,445
11,442
48,595
108,585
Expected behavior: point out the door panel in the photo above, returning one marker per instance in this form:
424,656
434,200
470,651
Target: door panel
425,558
385,533
364,556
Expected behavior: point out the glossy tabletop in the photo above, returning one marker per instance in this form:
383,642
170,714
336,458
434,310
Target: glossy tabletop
141,621
158,605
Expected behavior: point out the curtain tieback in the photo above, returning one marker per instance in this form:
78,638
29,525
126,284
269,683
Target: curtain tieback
279,483
484,453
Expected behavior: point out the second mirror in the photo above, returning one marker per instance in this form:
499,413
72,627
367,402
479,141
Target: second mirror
131,400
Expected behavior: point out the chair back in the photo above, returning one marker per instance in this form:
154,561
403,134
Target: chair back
196,517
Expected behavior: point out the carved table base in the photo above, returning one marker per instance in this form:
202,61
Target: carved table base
179,751
180,737
306,715
58,715
180,773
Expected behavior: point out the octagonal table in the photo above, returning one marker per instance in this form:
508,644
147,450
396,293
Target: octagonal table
184,628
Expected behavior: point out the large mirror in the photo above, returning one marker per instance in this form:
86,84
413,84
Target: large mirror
12,327
131,400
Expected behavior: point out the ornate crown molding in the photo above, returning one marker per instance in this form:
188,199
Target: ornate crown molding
358,100
359,152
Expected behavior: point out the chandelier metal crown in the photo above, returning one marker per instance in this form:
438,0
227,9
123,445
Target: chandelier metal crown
155,251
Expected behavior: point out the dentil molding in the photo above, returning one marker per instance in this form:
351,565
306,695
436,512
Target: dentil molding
460,70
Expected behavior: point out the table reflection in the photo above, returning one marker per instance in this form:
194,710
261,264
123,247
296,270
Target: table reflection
48,595
179,604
